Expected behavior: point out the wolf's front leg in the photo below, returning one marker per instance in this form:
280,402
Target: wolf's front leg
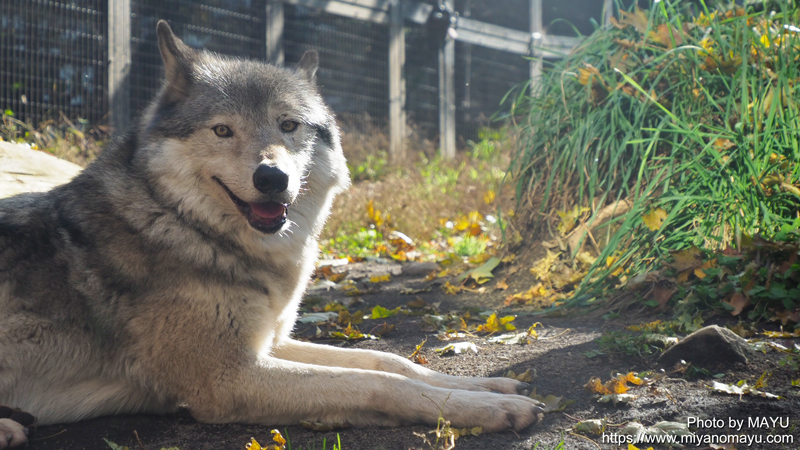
14,427
326,355
280,392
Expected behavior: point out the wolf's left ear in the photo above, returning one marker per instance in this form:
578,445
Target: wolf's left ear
177,58
308,64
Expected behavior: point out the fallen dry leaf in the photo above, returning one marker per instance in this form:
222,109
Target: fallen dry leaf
690,258
380,278
662,294
525,377
654,219
483,273
738,302
494,324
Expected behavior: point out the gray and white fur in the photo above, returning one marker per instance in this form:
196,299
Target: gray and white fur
169,272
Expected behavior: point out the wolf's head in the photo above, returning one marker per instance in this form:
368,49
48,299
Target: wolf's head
242,146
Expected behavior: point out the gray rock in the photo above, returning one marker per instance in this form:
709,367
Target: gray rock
23,169
707,347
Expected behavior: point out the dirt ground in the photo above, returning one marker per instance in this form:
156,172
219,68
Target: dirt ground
557,358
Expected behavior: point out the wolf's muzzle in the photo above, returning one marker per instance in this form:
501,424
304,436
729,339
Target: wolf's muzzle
266,217
270,179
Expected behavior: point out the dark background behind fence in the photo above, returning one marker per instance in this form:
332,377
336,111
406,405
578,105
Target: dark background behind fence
54,57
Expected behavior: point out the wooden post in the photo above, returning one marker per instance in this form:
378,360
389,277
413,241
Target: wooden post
397,84
537,37
119,63
447,95
275,32
608,11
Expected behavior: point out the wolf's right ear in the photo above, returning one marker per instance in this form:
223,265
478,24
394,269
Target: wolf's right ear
308,65
177,58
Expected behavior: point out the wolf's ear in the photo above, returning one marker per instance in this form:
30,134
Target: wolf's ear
308,64
177,58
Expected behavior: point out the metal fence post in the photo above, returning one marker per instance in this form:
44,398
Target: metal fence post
119,62
537,37
447,94
608,11
275,32
397,84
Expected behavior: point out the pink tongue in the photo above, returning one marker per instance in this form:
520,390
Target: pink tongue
269,210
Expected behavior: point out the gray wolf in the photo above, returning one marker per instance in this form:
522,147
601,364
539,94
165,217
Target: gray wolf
169,272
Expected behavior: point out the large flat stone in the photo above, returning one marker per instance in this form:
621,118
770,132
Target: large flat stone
23,169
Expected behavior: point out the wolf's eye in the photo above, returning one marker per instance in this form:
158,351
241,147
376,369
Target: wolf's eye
289,126
223,131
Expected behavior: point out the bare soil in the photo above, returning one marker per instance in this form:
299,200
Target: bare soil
557,358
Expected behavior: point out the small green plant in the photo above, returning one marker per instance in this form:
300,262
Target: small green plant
361,244
313,444
631,344
372,168
792,362
469,246
560,446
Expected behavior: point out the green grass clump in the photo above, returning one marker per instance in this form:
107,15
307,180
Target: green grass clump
679,112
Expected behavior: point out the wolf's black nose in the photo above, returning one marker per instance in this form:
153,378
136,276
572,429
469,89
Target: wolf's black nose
270,179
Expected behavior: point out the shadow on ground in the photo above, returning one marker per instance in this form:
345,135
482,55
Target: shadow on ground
557,358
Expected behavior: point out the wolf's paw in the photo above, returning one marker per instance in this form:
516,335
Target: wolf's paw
14,427
493,412
500,385
497,384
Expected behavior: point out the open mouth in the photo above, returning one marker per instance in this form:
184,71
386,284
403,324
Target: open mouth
266,217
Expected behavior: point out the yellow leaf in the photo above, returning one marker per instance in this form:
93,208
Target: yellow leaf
690,258
380,278
542,267
489,197
664,35
253,445
636,19
450,289
483,273
704,20
569,218
585,258
700,271
525,377
276,436
617,385
762,380
585,74
722,143
379,312
633,379
654,219
462,224
493,324
595,386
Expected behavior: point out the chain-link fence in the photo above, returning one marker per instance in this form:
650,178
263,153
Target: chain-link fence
353,74
228,27
55,57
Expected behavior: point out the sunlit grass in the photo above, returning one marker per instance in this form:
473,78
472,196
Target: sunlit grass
77,142
420,196
693,115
